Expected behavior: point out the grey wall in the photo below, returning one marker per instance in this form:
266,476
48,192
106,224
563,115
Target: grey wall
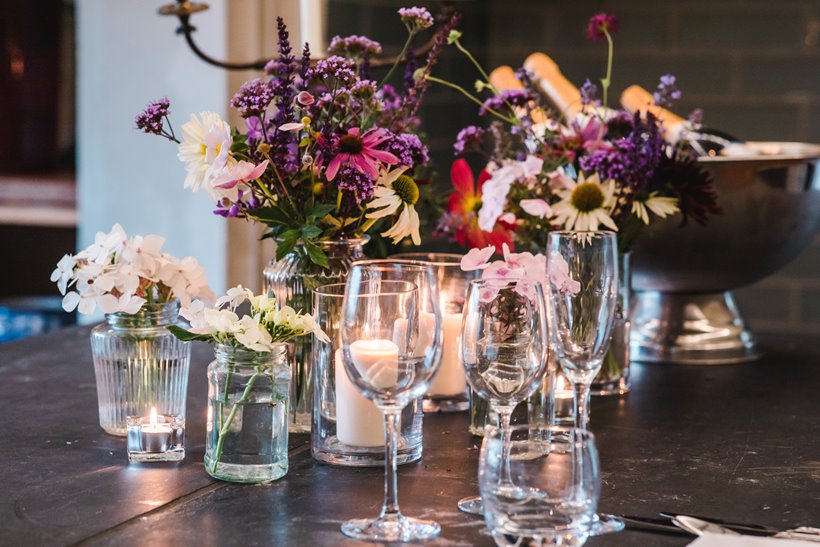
752,65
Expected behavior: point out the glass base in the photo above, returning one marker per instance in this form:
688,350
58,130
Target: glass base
438,403
335,452
299,422
471,505
605,524
390,529
175,455
245,473
618,386
115,431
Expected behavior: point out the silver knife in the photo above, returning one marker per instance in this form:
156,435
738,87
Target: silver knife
698,527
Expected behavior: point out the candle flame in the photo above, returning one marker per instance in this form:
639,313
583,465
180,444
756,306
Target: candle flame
561,383
153,418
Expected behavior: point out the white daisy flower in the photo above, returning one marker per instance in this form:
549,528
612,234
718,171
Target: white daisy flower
661,206
393,190
205,149
586,204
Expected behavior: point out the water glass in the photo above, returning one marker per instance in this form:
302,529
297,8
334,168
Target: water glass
540,485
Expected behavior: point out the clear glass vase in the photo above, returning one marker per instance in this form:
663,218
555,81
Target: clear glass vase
247,432
613,378
292,280
139,365
348,429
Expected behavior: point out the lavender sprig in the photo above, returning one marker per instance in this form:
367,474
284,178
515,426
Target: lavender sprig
152,119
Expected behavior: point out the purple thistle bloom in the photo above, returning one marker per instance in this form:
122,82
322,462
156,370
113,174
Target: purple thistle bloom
667,92
354,46
515,97
468,139
409,149
352,180
340,68
416,19
589,94
600,25
152,119
253,98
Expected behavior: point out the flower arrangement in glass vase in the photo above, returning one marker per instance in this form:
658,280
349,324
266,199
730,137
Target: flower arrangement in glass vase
249,381
327,153
599,168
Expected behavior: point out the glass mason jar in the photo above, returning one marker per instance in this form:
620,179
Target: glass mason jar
139,364
247,429
613,378
292,280
348,429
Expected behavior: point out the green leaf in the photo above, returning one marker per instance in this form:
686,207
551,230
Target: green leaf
319,211
188,336
311,232
272,215
286,242
316,255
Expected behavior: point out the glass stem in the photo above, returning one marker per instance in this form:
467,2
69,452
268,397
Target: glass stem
392,421
504,415
581,405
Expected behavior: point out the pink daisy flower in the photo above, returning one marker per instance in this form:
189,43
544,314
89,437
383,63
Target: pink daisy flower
360,152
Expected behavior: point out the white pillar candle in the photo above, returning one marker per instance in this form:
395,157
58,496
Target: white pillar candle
450,379
427,331
377,361
358,421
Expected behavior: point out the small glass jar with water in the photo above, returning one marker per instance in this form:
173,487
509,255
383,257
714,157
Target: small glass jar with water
247,429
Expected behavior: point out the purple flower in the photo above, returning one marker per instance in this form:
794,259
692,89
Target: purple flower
468,139
389,98
304,69
414,96
515,97
696,117
364,89
667,92
409,149
600,25
336,67
416,19
354,181
354,46
152,119
253,98
410,66
589,94
282,84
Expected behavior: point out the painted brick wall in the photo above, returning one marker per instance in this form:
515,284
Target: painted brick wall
752,65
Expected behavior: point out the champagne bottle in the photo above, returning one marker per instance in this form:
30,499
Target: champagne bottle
703,141
565,97
503,78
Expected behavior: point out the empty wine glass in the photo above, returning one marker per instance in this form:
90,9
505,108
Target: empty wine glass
504,348
583,284
556,485
380,338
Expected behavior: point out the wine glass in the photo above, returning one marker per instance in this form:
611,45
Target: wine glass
504,348
557,484
448,391
381,341
583,287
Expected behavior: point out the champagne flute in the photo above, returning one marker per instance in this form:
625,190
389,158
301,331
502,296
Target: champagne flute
504,349
380,342
583,287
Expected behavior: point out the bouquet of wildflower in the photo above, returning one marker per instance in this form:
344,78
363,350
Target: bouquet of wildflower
599,169
265,327
121,274
326,152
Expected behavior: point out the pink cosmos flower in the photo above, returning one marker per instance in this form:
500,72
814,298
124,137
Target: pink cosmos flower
360,152
559,275
536,207
242,173
477,259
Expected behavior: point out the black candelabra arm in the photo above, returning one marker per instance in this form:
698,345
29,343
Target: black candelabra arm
183,9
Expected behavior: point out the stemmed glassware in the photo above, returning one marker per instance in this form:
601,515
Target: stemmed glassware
583,287
556,485
388,361
504,348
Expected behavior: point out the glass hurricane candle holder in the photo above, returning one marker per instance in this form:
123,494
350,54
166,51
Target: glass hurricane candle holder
348,429
448,392
247,428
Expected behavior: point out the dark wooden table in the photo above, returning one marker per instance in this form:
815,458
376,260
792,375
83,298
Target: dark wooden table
741,442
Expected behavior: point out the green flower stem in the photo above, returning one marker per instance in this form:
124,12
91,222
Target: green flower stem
398,59
223,429
483,73
476,100
608,80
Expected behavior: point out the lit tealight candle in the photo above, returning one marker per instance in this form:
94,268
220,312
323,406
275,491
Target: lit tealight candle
155,436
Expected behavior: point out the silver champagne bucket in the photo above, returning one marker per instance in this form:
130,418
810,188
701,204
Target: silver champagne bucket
683,310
